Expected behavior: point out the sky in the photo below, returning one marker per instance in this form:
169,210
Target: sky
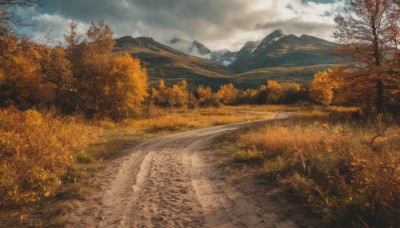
218,24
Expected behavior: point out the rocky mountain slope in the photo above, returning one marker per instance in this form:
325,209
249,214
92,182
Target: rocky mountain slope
277,56
164,62
280,50
223,57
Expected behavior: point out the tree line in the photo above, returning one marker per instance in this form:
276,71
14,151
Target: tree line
178,95
85,77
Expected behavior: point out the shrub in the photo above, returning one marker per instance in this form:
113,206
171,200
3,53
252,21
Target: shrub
35,150
227,94
207,98
334,167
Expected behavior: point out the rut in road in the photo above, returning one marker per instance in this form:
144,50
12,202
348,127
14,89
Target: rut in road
170,182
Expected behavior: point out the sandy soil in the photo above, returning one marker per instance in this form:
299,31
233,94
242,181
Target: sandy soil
176,181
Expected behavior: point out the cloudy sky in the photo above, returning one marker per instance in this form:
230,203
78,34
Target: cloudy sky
216,23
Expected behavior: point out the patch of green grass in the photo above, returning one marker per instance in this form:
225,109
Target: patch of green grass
249,155
275,167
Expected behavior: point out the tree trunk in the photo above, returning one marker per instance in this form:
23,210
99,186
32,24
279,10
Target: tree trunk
379,96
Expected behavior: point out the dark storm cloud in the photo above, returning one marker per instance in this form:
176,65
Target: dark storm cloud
214,22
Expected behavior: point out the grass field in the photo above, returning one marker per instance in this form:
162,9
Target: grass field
340,167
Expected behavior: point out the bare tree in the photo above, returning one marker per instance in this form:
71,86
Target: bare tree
8,7
364,33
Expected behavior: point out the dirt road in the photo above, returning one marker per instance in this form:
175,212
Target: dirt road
174,181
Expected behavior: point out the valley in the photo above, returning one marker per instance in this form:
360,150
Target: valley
277,57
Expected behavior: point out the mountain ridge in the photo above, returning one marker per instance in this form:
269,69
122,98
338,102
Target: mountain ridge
164,62
277,55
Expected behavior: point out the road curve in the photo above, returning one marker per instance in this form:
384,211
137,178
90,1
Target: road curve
169,182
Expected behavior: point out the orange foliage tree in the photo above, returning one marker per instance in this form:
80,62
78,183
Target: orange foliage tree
227,94
125,89
206,97
322,86
367,31
103,85
24,80
176,96
274,92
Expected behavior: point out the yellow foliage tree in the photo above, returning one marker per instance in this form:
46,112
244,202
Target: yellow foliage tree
179,94
125,89
204,93
176,96
274,92
24,82
228,94
207,97
322,87
291,93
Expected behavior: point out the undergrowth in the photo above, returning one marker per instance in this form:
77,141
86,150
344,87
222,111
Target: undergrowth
35,151
333,165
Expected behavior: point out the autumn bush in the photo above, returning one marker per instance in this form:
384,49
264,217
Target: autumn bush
227,94
175,96
335,167
35,151
206,97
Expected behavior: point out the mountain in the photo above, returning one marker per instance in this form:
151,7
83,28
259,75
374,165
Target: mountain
280,50
195,48
278,56
164,62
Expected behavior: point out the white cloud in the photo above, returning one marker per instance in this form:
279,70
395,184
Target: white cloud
216,23
52,27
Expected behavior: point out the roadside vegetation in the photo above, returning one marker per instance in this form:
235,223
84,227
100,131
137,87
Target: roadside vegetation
339,166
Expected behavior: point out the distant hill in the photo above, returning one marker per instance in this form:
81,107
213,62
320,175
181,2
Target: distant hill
195,48
164,62
258,77
280,50
278,56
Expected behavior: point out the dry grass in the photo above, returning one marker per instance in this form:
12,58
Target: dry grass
174,120
333,166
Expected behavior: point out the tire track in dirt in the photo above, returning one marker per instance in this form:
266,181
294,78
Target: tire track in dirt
168,182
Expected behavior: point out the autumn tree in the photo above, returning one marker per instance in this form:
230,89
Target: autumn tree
322,86
59,72
206,97
364,33
24,81
102,84
179,94
125,88
274,92
175,96
293,92
227,94
91,63
247,96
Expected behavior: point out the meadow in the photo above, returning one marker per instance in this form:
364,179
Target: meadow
347,171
